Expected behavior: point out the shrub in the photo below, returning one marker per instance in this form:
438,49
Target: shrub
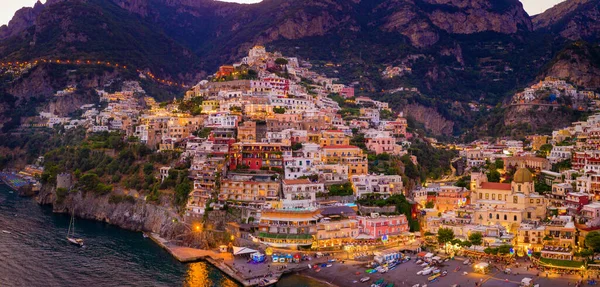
116,199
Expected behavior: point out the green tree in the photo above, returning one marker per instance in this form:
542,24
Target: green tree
279,110
445,235
592,241
493,176
504,249
182,191
476,238
545,150
429,204
281,61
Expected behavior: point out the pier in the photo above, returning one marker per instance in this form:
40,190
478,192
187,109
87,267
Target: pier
246,274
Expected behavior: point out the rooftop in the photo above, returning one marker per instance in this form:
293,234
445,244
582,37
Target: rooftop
495,185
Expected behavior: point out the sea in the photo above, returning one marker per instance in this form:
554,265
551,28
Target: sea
36,253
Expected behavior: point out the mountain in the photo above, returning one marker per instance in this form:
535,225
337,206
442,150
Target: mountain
578,63
573,19
460,51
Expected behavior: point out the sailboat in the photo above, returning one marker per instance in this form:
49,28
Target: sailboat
71,233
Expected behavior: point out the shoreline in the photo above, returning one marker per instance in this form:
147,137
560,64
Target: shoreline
304,274
220,261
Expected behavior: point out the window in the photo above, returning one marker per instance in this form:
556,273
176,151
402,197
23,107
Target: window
481,196
493,196
529,215
490,216
519,188
505,217
487,196
515,218
515,199
497,216
538,201
531,201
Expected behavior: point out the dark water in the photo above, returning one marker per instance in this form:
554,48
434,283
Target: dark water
37,254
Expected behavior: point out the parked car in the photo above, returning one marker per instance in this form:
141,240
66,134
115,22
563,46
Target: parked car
467,262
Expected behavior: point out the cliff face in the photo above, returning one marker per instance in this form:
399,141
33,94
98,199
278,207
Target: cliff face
23,19
421,21
430,118
137,217
573,19
579,64
537,118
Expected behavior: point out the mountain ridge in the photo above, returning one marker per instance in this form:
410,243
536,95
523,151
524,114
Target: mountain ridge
460,51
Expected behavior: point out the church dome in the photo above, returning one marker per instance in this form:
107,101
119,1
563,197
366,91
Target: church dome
523,175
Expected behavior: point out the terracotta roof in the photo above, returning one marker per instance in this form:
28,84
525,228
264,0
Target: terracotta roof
495,185
339,146
296,181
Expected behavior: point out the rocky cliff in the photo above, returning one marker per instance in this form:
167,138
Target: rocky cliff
579,64
573,19
138,216
430,118
23,19
141,216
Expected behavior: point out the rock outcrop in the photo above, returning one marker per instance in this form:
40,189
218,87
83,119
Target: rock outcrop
573,19
23,19
137,216
579,64
430,118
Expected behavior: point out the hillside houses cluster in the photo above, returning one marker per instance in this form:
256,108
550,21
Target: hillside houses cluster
550,89
520,212
266,135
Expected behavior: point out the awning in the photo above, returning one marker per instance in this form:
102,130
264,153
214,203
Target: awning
242,250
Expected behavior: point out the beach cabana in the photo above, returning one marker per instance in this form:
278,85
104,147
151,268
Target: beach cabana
242,251
257,257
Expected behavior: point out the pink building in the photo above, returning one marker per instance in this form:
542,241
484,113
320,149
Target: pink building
383,144
347,92
397,127
375,227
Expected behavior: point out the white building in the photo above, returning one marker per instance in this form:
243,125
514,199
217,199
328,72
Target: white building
381,184
300,193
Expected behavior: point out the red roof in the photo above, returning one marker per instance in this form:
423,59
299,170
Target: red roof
296,181
495,185
340,146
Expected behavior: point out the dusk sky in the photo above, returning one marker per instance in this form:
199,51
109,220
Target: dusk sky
8,7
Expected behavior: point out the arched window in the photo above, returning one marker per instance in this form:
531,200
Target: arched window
497,216
490,216
515,218
505,217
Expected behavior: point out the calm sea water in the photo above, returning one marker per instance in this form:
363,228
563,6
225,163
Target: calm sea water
36,253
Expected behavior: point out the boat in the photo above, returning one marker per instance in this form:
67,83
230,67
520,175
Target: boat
6,231
433,277
329,265
144,235
378,283
365,279
71,232
267,282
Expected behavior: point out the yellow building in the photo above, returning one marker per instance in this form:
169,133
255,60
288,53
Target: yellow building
538,141
241,190
210,106
247,132
508,204
349,155
333,137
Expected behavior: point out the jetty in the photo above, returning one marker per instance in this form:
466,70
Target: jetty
246,274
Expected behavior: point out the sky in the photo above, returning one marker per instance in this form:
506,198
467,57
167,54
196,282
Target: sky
8,7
